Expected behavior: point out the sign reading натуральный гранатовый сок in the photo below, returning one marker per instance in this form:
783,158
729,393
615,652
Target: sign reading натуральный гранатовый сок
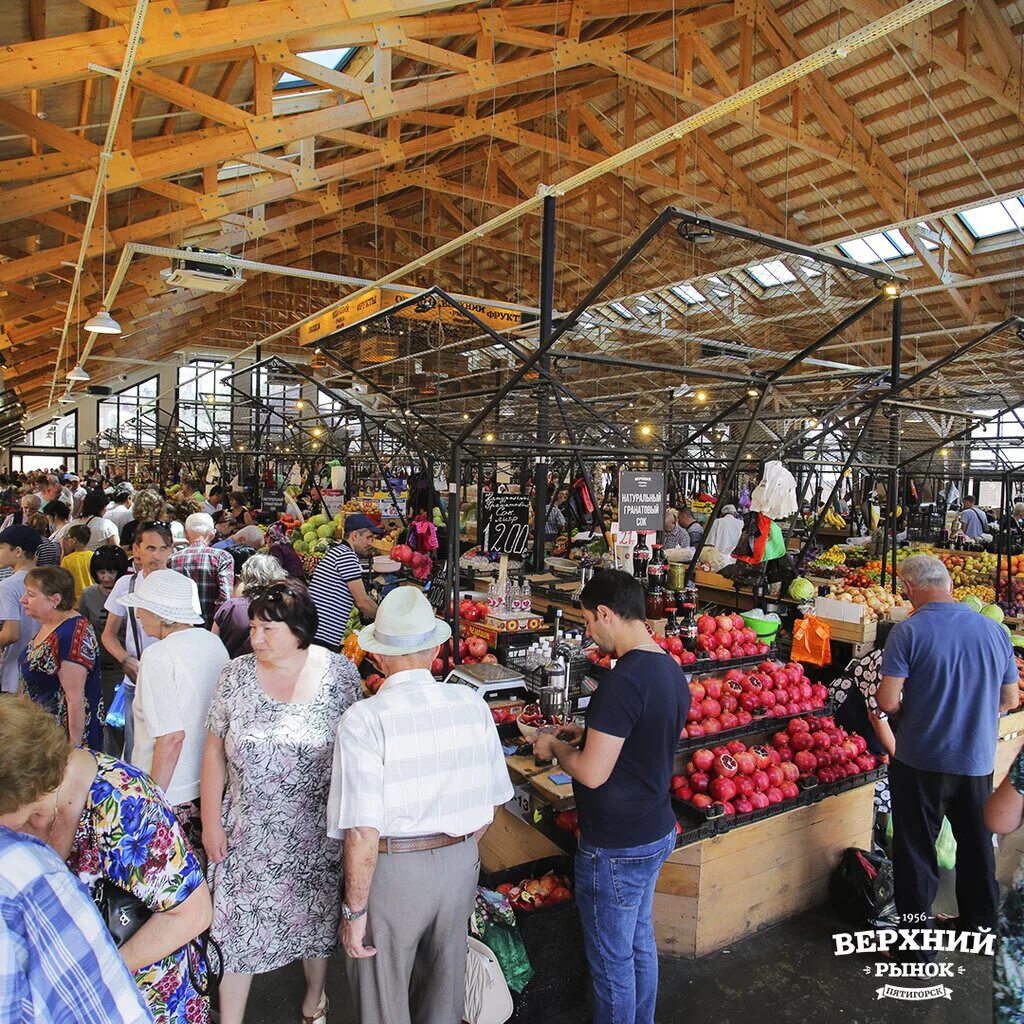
641,501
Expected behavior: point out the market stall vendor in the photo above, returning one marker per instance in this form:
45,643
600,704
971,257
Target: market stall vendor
675,535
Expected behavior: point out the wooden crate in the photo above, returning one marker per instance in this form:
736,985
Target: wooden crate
509,842
728,887
852,632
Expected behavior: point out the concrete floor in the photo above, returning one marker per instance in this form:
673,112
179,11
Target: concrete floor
784,974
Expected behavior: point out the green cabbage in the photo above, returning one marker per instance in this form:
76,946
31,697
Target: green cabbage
801,589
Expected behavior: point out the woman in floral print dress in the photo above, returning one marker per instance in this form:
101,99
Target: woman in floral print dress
109,821
263,793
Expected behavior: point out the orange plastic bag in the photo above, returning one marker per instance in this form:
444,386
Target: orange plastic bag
812,641
352,650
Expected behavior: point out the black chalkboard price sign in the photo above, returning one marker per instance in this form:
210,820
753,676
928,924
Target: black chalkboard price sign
273,502
508,523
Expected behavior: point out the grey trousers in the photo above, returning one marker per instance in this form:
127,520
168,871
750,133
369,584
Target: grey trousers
418,920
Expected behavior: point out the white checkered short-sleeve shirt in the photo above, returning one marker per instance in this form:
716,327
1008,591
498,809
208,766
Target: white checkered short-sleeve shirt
418,758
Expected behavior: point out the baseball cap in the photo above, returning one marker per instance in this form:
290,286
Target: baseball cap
358,521
23,537
123,489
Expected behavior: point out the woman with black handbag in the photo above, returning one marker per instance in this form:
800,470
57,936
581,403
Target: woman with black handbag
119,837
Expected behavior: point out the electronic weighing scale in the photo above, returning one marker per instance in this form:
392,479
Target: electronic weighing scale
492,682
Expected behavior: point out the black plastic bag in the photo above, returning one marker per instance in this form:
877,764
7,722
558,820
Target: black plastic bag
861,889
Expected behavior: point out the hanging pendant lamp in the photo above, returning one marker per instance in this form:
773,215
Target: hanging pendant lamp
77,373
103,323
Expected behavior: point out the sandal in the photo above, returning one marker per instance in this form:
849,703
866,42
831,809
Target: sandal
320,1017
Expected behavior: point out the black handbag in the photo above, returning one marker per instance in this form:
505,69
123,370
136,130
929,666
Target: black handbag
124,914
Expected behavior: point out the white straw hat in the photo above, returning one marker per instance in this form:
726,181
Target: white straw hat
168,595
405,624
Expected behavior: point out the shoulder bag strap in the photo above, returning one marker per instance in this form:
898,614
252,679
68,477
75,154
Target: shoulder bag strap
132,619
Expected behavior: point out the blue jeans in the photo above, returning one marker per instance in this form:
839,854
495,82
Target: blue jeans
615,896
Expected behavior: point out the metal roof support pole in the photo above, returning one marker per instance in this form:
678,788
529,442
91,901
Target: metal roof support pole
454,553
596,517
896,358
547,298
568,322
727,483
847,464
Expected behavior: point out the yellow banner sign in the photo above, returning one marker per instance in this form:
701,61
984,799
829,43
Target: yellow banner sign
374,302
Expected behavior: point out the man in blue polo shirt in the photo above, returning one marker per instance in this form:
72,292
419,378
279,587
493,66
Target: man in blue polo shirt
947,673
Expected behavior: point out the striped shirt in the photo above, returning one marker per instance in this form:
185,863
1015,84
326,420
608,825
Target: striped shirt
330,592
418,758
57,961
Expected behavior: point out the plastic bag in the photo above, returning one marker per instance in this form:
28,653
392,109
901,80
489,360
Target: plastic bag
861,888
775,495
507,946
945,845
115,713
812,642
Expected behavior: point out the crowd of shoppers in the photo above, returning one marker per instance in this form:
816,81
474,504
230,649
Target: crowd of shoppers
255,796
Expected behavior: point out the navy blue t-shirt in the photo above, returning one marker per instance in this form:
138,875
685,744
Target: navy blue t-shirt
954,662
644,699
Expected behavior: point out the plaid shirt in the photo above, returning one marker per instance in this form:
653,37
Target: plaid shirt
418,758
57,961
213,571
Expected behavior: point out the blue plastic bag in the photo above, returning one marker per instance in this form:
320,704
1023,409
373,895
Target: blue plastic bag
115,713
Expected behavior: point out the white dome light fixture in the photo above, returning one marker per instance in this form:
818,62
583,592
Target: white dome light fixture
66,399
103,323
77,373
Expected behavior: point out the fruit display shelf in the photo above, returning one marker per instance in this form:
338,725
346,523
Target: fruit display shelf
811,792
760,724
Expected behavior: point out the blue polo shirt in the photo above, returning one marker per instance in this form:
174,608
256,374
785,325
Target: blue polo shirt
954,662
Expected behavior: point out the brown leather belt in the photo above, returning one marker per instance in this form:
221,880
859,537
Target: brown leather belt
416,844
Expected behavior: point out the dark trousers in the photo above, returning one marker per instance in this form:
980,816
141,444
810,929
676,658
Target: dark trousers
920,799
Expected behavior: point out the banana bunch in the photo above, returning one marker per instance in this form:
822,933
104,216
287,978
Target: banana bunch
834,519
834,556
701,508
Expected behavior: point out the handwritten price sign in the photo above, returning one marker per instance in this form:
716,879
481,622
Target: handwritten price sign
508,523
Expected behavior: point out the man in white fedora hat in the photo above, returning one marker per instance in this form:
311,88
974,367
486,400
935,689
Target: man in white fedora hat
418,774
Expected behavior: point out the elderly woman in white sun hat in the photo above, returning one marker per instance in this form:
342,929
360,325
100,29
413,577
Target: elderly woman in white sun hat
418,776
177,676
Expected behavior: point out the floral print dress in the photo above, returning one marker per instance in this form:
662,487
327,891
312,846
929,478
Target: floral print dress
1008,973
276,894
74,640
128,834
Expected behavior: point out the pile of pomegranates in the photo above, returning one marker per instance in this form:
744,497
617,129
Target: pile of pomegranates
749,778
735,699
725,636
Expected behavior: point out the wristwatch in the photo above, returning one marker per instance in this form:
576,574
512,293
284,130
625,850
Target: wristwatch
351,915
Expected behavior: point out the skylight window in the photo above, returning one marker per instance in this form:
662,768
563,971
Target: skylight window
770,274
687,293
882,245
621,310
719,287
995,219
335,60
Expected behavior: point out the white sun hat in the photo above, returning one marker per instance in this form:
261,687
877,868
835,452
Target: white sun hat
405,624
168,595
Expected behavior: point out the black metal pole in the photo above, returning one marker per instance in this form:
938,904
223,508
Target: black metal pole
896,358
454,552
547,298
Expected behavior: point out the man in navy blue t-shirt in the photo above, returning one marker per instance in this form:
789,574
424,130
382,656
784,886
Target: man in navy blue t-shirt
621,778
948,673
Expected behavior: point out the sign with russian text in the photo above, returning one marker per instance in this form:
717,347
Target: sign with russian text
641,501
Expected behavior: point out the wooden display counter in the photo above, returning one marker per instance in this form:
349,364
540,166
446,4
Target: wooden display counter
510,841
729,886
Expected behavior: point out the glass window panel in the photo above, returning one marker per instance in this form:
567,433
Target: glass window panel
995,218
687,293
334,59
770,274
